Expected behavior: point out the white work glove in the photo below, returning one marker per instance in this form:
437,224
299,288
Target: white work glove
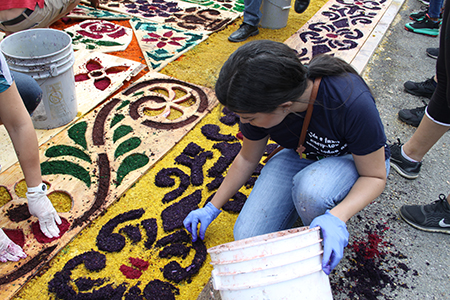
9,251
41,207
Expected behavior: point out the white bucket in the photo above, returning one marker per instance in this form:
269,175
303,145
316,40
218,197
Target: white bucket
47,56
275,13
279,265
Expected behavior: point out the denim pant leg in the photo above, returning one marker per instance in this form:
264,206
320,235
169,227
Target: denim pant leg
434,11
252,12
323,185
29,90
269,207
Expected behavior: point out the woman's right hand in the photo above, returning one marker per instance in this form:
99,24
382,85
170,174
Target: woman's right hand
205,215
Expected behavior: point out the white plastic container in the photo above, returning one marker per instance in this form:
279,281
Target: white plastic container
275,13
279,265
47,56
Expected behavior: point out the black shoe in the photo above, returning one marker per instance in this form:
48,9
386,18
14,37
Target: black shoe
300,6
425,88
419,15
434,217
404,167
412,116
432,52
244,32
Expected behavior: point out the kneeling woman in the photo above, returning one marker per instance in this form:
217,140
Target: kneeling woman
337,169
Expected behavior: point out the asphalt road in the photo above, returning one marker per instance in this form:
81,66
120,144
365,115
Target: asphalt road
387,258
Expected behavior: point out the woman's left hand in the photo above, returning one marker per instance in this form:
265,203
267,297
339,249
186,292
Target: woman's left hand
335,239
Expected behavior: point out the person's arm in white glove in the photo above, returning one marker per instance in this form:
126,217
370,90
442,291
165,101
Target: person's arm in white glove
40,206
9,251
17,121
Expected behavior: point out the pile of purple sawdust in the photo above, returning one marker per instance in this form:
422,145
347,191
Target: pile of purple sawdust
374,267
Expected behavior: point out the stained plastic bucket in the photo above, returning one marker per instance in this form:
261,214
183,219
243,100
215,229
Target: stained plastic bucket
47,56
279,265
275,13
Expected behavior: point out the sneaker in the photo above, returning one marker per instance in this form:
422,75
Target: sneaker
412,116
419,15
404,167
432,52
244,32
425,26
425,2
434,217
425,88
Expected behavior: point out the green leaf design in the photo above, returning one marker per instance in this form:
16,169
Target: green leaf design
123,104
121,131
116,119
78,134
127,146
129,164
63,150
67,168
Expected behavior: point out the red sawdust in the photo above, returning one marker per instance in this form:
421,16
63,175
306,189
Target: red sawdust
41,238
15,235
129,272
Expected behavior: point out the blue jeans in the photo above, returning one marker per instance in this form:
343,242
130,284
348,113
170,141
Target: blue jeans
29,90
289,187
434,11
252,12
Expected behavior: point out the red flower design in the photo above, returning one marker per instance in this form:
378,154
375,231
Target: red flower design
162,41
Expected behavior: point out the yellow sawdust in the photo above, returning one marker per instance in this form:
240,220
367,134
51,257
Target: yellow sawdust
201,66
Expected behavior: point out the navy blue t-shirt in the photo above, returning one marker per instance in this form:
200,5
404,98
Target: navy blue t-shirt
344,120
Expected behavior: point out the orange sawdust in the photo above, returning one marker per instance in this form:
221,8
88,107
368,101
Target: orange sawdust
201,66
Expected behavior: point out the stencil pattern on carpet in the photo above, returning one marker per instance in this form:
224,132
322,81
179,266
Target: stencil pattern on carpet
236,6
162,44
87,12
99,158
177,13
99,35
106,71
339,28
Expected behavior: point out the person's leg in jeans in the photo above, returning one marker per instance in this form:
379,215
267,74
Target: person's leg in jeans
434,11
270,208
324,184
29,90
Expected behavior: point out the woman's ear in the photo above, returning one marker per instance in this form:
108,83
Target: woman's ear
286,105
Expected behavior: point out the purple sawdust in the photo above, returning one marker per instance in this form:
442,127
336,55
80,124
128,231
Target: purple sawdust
93,261
174,272
234,205
163,179
229,152
151,227
214,185
173,216
368,275
85,284
114,242
179,236
270,148
211,132
134,293
230,117
19,213
192,149
195,163
251,181
178,250
132,232
159,290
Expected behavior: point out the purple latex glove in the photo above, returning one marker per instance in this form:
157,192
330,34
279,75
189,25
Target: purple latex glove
205,215
335,239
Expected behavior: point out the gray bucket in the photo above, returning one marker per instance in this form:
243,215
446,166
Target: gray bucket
47,56
275,13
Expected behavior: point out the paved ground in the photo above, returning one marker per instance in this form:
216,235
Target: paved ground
398,261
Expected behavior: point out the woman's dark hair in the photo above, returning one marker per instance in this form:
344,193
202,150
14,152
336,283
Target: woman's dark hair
261,75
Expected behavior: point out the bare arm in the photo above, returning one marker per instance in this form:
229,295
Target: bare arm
370,184
14,116
241,169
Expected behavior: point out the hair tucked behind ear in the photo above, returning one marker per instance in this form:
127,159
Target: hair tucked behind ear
261,75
